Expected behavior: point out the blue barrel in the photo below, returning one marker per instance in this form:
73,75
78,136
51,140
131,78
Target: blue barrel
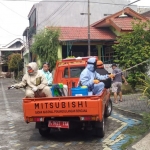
52,91
79,91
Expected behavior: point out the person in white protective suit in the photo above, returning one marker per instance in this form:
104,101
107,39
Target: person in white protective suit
34,82
90,78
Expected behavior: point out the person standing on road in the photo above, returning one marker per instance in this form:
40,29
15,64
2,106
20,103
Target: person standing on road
47,74
34,82
117,83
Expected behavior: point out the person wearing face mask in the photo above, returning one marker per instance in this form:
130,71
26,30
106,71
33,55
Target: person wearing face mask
47,74
90,78
34,82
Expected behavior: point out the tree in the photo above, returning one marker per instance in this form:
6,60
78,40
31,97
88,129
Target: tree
134,48
5,55
46,44
15,63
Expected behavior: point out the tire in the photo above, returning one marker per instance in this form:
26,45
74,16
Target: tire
44,131
108,109
100,131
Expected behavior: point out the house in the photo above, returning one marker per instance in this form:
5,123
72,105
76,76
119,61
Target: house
118,24
67,14
15,46
73,40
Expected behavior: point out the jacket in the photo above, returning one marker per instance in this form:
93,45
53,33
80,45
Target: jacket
48,76
107,82
36,79
89,74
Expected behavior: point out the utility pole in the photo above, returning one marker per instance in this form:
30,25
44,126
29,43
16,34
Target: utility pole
88,13
89,46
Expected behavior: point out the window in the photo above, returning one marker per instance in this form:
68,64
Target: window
108,55
74,72
4,68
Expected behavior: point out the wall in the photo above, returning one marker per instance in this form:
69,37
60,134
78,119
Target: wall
26,61
0,69
68,14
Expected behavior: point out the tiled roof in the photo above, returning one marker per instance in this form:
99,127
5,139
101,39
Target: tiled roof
148,18
124,23
81,33
120,23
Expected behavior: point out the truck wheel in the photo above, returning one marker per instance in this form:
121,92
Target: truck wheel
44,131
100,131
108,109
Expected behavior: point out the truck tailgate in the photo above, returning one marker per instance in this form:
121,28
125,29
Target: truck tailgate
63,106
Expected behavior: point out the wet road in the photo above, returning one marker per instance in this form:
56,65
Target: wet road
15,134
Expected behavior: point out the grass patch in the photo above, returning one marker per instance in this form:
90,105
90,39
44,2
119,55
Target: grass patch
124,146
137,130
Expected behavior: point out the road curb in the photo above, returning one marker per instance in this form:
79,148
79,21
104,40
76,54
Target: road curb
140,116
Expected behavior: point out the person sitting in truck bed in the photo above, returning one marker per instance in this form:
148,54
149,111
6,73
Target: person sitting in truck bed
35,82
90,78
102,71
46,73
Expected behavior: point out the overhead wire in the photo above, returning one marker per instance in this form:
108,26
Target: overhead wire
12,10
82,19
56,22
59,1
9,32
51,15
63,13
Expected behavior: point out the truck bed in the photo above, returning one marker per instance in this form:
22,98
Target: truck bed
72,106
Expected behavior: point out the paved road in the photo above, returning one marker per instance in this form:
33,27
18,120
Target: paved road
15,134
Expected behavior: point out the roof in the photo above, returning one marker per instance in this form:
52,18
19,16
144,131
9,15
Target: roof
123,23
81,33
9,48
148,18
146,13
120,23
12,42
12,49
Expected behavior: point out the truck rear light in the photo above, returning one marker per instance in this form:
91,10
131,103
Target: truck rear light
33,119
89,118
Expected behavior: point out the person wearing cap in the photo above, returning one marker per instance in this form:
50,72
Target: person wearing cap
47,74
34,82
117,82
90,78
102,71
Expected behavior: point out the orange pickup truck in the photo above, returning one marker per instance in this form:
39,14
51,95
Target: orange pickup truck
68,112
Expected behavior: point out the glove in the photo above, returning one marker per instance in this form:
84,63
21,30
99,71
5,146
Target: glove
34,89
96,81
111,76
12,86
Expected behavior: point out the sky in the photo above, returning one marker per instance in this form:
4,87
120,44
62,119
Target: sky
14,20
